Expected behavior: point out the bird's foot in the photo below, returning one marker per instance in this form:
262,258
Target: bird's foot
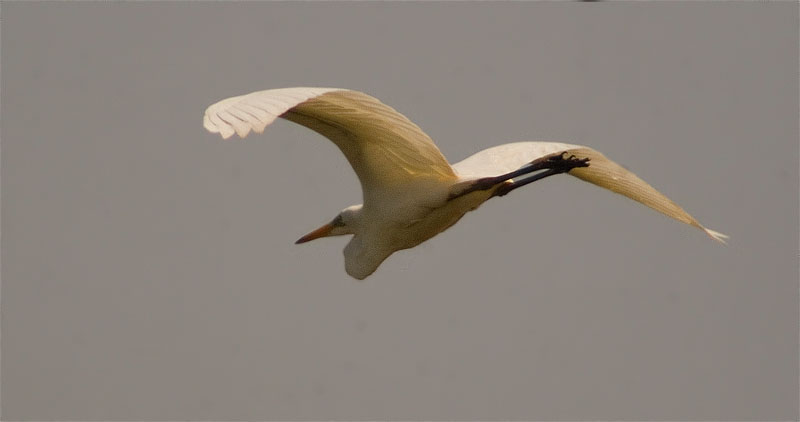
560,162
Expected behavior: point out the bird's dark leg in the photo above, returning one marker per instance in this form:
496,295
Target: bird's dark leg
561,165
508,187
554,164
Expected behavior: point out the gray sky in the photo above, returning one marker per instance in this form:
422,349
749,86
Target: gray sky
149,270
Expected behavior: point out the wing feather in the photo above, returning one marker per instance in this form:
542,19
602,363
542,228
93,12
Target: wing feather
602,172
387,151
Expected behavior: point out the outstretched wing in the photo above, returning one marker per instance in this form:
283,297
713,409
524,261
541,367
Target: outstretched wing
602,172
387,151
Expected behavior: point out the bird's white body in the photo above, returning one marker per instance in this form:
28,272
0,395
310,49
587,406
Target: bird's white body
411,193
403,222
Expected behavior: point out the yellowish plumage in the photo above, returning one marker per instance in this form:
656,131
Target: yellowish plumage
610,175
407,184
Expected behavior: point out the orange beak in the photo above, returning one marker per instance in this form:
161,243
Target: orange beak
316,234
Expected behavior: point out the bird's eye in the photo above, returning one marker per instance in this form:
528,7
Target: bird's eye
338,221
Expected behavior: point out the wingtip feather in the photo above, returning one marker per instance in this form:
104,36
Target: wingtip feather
241,114
719,237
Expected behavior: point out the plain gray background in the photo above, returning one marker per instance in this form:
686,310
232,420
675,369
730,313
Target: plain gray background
149,270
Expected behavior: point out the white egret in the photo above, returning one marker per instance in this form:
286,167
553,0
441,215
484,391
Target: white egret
410,191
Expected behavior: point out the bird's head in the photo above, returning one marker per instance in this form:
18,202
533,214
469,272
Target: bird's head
347,222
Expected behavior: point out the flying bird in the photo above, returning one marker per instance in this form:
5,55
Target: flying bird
410,192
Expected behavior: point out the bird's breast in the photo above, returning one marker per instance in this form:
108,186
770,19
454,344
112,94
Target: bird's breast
424,222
